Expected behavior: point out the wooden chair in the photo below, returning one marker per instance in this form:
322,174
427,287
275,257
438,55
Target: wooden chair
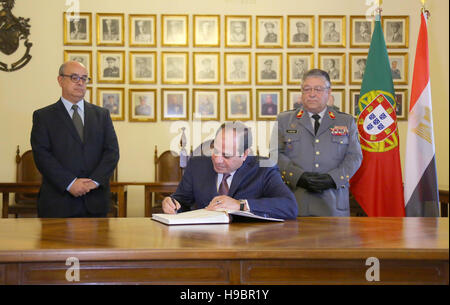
167,169
26,171
443,199
114,206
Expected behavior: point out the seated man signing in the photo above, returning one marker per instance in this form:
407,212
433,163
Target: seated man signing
231,179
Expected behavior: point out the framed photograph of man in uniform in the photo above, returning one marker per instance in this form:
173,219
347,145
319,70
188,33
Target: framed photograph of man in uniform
269,103
142,67
112,99
334,64
332,31
206,30
206,67
110,29
175,104
401,104
238,105
83,57
77,29
142,105
111,67
206,104
238,68
354,98
357,67
361,29
142,30
399,68
297,65
294,98
396,31
174,30
175,67
337,99
238,31
269,31
269,68
300,31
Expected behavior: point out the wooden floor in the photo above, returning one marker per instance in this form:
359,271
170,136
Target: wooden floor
302,251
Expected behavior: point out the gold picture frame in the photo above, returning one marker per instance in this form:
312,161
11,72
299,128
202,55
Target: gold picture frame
357,67
332,31
206,67
142,67
142,105
112,99
269,31
238,31
206,31
361,30
142,30
402,106
303,36
206,104
110,29
269,103
238,68
77,29
111,67
297,65
238,104
334,65
175,67
353,101
269,68
399,67
81,56
294,99
337,99
174,104
174,30
396,31
89,95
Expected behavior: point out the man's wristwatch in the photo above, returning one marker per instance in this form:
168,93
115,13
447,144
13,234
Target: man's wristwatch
242,204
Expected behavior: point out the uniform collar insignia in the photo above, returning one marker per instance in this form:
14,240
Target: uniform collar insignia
300,114
331,114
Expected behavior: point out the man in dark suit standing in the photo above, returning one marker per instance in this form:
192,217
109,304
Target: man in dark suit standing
75,148
231,179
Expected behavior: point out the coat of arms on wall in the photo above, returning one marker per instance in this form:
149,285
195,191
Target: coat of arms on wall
13,30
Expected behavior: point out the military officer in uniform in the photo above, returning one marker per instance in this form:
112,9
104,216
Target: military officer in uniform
318,150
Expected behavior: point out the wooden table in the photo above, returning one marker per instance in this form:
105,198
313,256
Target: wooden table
303,251
33,187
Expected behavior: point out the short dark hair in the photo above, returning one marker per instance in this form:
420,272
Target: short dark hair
317,73
243,133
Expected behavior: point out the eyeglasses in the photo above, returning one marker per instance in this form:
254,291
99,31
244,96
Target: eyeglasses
76,78
318,90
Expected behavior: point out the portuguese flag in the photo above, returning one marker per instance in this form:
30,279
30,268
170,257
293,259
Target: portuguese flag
377,185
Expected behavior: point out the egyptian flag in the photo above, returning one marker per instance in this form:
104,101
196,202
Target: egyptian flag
421,186
377,185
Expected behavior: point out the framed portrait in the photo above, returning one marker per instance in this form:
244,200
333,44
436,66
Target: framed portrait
238,105
142,30
297,65
300,31
175,67
175,105
294,98
174,30
206,67
396,31
357,67
361,29
337,99
354,98
401,104
77,29
111,67
269,68
334,64
112,99
269,31
142,67
88,95
238,31
83,57
110,29
332,31
206,104
399,68
238,68
206,30
269,103
142,105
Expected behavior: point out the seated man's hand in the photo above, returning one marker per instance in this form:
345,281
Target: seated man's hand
80,187
223,203
169,206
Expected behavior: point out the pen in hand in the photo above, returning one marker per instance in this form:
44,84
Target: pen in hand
175,204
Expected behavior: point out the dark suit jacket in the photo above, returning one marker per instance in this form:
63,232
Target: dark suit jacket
262,187
61,156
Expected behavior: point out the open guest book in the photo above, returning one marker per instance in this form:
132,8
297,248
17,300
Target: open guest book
203,216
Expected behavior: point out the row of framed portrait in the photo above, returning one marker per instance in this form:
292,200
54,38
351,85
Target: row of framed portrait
175,103
238,30
237,67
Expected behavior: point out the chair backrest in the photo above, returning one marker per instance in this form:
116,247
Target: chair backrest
167,166
26,171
